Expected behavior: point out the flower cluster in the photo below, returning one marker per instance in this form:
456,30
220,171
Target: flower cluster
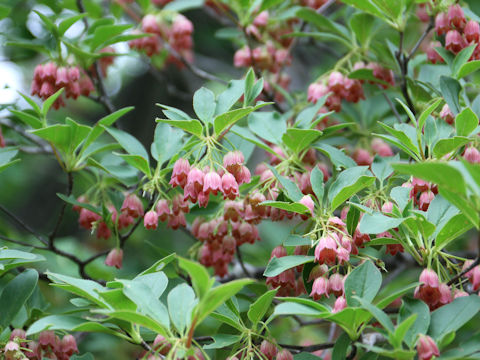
176,31
459,34
49,78
48,346
343,88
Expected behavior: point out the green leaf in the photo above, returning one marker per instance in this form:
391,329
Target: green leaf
47,104
104,122
181,301
291,308
336,156
183,5
353,216
322,22
278,265
382,317
27,118
6,155
466,122
316,179
246,134
222,340
392,296
292,190
299,139
427,112
377,223
364,281
72,200
293,207
445,146
362,25
400,132
340,348
450,89
217,296
453,228
68,22
461,59
259,308
468,68
225,120
381,167
204,104
136,318
199,275
192,126
137,162
105,32
422,322
453,316
401,330
65,137
15,294
268,125
128,142
167,142
348,183
230,96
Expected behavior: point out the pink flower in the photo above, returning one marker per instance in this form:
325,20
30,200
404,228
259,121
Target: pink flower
163,210
177,220
195,180
319,288
284,355
454,41
203,199
340,304
316,91
381,148
308,202
268,349
133,206
472,155
425,199
229,186
472,31
441,24
62,77
336,82
387,207
326,250
69,345
233,161
242,57
261,20
103,232
150,220
362,157
150,25
335,284
278,252
114,258
181,169
47,339
181,26
432,54
426,348
18,334
87,218
243,176
429,278
456,17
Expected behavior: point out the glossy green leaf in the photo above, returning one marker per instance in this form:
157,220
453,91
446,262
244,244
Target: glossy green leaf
15,294
204,104
466,122
450,89
336,156
348,183
316,179
299,139
279,265
292,190
192,126
222,340
377,223
293,207
364,281
181,301
420,326
268,125
259,308
199,275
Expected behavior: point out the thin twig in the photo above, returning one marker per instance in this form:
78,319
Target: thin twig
240,261
309,348
22,224
53,234
18,242
458,276
392,107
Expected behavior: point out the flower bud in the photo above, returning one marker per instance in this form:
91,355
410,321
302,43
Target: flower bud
268,349
114,258
150,220
426,348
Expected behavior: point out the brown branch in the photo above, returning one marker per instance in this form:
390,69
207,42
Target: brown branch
308,348
53,234
459,275
22,224
242,264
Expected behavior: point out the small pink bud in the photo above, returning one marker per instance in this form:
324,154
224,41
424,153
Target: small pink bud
308,202
114,258
319,288
261,20
316,91
340,304
150,220
426,348
387,207
472,155
268,349
362,157
425,199
150,25
278,252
